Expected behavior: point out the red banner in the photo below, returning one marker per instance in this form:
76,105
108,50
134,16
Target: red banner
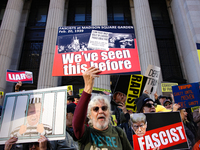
23,76
163,137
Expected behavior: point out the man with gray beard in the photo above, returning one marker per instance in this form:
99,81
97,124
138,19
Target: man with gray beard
100,135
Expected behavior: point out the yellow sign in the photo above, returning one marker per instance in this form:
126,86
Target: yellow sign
167,87
96,89
1,93
134,91
198,51
70,87
113,120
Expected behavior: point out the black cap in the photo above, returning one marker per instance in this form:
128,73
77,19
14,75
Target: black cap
71,108
166,102
70,98
141,101
77,96
162,96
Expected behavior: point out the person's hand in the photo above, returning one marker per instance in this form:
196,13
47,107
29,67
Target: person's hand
42,142
146,92
22,129
40,128
172,96
176,107
88,77
123,107
130,111
18,85
156,148
156,95
10,142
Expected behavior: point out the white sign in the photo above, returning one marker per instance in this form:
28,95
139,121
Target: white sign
152,73
29,114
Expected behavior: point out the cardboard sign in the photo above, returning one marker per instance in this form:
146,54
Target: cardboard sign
29,114
23,76
70,87
113,49
152,73
135,89
187,95
97,90
167,87
198,50
167,133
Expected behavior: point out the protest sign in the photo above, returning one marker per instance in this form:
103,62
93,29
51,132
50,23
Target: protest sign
135,89
29,114
187,95
1,94
198,50
97,90
152,73
69,87
167,88
113,49
23,76
167,133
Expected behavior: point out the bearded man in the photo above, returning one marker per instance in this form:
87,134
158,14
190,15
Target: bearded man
100,134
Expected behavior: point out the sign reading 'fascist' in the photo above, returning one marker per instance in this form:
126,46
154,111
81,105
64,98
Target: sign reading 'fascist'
112,49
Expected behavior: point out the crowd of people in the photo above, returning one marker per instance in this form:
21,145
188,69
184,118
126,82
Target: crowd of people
89,121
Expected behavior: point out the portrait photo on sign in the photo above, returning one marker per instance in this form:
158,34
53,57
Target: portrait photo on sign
27,115
163,130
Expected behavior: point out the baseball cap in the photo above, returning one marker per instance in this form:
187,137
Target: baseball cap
167,101
141,101
71,108
162,96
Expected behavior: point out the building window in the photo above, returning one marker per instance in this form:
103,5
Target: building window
167,50
38,14
119,12
33,40
2,9
79,12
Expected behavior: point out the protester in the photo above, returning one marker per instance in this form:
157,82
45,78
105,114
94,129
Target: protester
70,99
100,134
196,117
167,104
159,108
189,128
161,99
145,104
68,142
119,109
76,99
69,93
42,144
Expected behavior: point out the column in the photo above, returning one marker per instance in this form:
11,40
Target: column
186,30
54,20
146,40
8,33
99,17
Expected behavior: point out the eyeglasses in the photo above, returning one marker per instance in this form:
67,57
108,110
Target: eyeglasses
149,105
104,108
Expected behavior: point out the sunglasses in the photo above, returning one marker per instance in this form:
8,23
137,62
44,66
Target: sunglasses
167,104
150,105
104,108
